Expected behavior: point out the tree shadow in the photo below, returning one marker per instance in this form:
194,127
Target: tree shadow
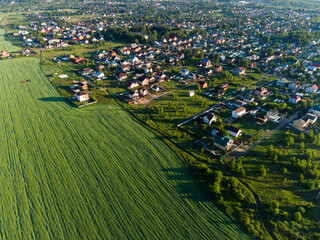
52,99
58,99
185,185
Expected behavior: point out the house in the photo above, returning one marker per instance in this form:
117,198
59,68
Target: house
134,60
184,73
239,104
311,118
203,84
191,94
224,86
155,88
79,60
229,60
144,91
143,81
83,86
217,68
132,84
224,143
239,71
316,110
148,70
98,75
86,71
209,118
282,82
260,119
260,91
82,96
214,133
209,72
121,76
125,68
273,115
293,86
218,92
248,99
233,131
134,95
180,55
4,54
300,124
311,89
294,99
242,88
26,52
111,54
239,112
205,63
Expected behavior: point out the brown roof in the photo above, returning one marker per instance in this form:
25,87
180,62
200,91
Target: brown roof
238,110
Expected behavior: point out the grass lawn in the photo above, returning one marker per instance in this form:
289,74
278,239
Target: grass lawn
5,45
246,125
80,50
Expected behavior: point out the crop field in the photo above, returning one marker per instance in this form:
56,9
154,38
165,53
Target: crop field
5,45
90,173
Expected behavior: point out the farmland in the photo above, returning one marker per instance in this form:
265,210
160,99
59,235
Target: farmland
91,173
5,45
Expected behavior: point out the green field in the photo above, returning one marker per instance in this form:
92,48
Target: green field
5,45
90,173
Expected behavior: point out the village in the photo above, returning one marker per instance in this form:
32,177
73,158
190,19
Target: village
231,88
221,66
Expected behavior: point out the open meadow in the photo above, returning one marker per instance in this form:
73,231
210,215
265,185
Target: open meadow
90,173
5,45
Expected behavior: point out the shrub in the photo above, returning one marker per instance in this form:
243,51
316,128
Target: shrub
297,216
302,210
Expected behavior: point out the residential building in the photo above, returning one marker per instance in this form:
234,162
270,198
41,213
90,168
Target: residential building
239,71
203,84
191,94
224,143
260,119
316,110
82,96
134,95
261,91
233,131
294,99
209,118
300,124
239,112
311,89
311,118
121,76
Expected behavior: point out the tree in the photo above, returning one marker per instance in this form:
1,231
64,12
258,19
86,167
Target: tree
274,204
301,178
284,170
311,134
302,137
302,210
289,141
297,217
263,171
